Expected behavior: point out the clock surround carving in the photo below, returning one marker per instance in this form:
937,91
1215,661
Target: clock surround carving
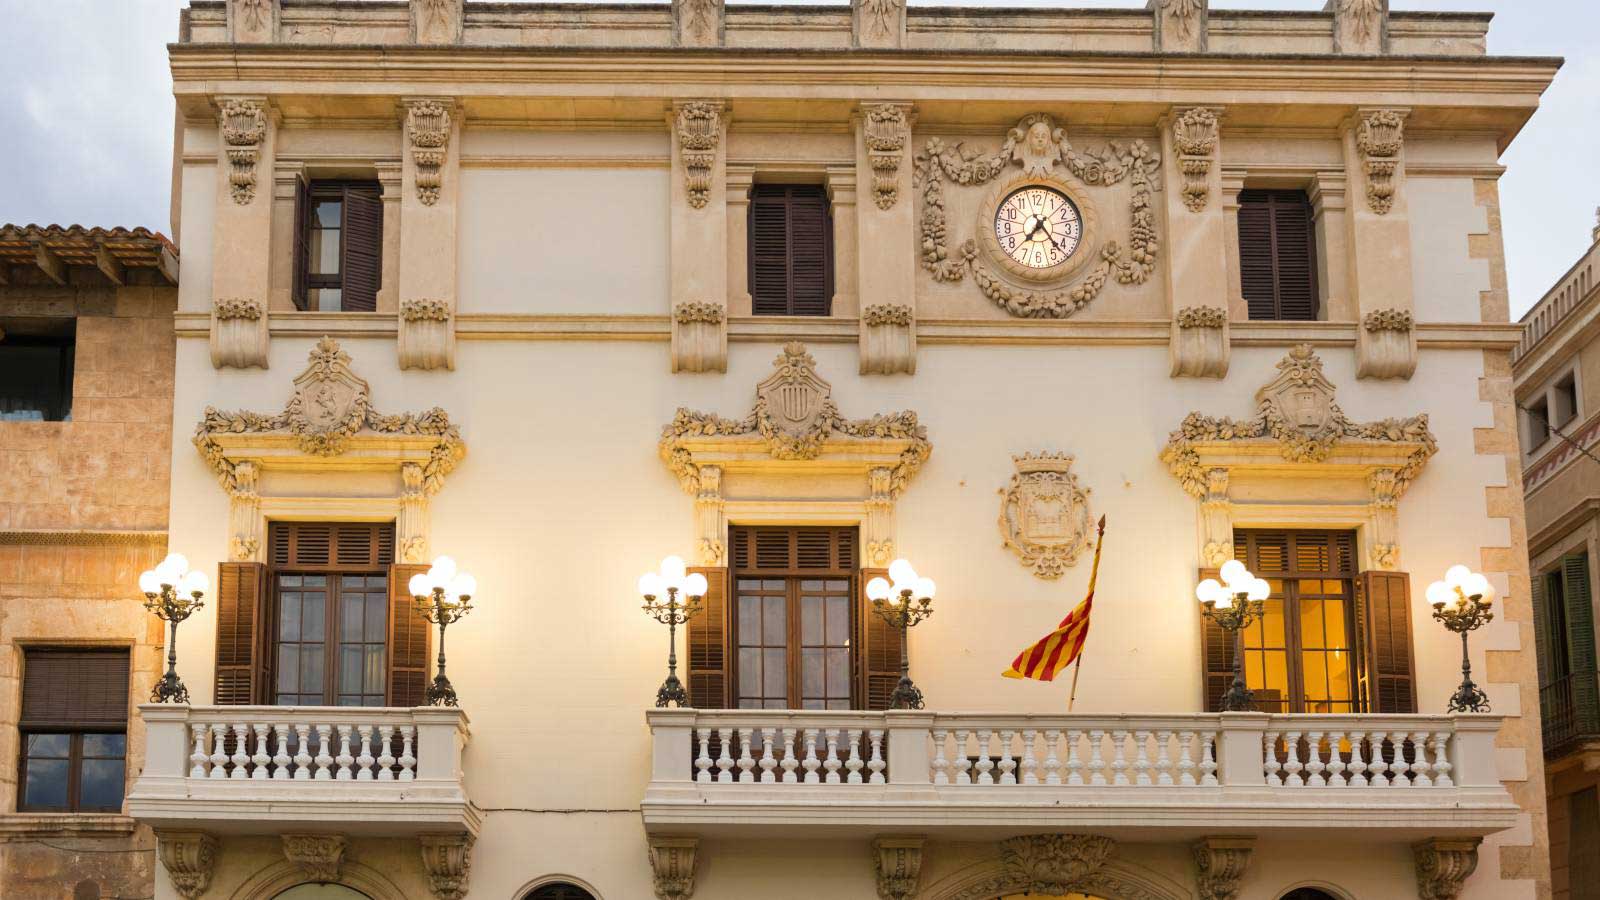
990,242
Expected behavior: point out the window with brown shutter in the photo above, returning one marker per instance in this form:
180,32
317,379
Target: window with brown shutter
706,636
338,246
1277,255
73,729
790,250
1387,677
1565,641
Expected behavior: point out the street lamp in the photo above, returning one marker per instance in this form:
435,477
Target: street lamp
902,604
443,595
173,593
672,580
1461,602
1234,603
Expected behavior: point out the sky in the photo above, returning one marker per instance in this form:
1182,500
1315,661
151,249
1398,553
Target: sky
86,111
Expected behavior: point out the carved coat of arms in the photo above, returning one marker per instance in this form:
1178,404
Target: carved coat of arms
794,398
1044,513
1301,397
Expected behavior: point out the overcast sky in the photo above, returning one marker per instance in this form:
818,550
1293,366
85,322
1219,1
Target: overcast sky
86,111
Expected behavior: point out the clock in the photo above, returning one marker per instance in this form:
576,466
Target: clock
1038,227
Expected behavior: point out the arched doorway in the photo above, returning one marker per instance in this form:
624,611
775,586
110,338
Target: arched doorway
559,890
321,892
1307,893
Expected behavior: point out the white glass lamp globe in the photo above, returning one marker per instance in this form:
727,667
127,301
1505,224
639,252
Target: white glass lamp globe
901,572
420,585
673,568
878,589
1456,576
149,582
463,585
444,569
1440,593
925,588
651,585
193,582
1478,586
1260,589
1234,573
1208,591
695,585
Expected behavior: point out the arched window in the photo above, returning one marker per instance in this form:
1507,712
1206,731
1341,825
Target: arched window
321,892
1307,893
559,890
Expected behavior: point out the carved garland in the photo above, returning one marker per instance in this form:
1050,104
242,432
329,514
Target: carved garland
1194,134
1202,317
424,309
699,132
1380,137
1109,166
1052,864
237,308
429,124
1387,320
244,127
698,311
886,314
885,135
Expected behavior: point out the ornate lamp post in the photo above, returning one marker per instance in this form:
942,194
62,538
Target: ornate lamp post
672,580
173,593
1234,607
903,604
443,595
1461,602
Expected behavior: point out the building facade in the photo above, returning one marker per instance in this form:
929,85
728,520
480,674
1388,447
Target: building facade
1556,407
86,373
793,293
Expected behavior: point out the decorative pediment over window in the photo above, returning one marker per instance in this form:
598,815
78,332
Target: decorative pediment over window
389,464
853,469
1300,451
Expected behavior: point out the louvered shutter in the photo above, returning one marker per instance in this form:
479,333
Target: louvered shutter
1216,653
1385,608
363,248
790,250
242,634
318,544
74,689
410,641
1277,255
1541,630
1580,642
302,229
1257,272
706,635
878,660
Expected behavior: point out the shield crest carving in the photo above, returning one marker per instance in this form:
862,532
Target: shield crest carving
796,399
330,402
1044,513
1301,397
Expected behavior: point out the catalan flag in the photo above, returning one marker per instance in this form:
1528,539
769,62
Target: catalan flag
1060,648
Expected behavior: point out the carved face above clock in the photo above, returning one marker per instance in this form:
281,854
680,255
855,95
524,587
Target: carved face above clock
1038,227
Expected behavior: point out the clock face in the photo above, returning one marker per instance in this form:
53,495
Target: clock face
1038,227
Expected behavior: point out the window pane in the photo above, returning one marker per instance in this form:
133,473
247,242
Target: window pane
288,668
838,621
773,624
324,239
749,672
350,661
100,784
56,745
375,671
749,619
378,614
312,613
775,674
352,617
316,581
105,745
839,674
813,675
810,620
311,667
46,787
289,616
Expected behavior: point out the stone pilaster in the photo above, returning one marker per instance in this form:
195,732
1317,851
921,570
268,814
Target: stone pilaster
897,864
437,21
1216,519
253,21
1329,212
242,233
1360,26
711,519
244,514
880,525
1379,243
699,23
1197,239
1383,543
878,24
699,216
840,183
411,526
430,178
885,249
1231,186
1220,864
391,180
672,862
1181,26
189,858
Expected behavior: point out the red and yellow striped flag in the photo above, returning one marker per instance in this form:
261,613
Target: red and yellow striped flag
1045,659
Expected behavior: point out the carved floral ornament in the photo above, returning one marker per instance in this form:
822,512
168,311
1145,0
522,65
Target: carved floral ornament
886,132
244,126
1387,320
1044,513
886,314
1194,135
1042,151
428,123
1049,865
1380,136
237,308
699,127
1296,410
425,310
1202,317
698,311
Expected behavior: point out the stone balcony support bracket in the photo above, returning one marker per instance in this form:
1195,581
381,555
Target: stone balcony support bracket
1220,864
672,866
897,864
447,860
189,858
1443,864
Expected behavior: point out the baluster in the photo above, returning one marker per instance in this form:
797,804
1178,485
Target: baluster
985,762
199,757
302,751
702,763
386,736
324,758
1074,764
1420,769
1208,758
1399,767
345,760
1052,759
811,762
1008,764
768,763
963,762
262,755
941,763
280,759
1269,754
364,759
1030,764
1097,763
219,751
747,763
1141,759
1314,765
1164,755
1336,759
408,762
853,765
1186,760
876,763
1441,760
724,761
1377,766
241,754
1119,757
788,762
1358,763
1292,765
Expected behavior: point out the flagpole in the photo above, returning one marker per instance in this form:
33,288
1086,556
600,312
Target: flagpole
1094,573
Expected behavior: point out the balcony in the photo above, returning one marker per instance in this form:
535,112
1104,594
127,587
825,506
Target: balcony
1131,777
274,769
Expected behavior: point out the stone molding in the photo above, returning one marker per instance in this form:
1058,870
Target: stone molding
242,123
189,857
698,23
699,336
319,856
447,860
1038,146
425,310
1200,345
425,337
1387,320
253,21
74,538
437,21
428,130
698,124
1044,514
888,339
878,24
672,866
887,129
1443,864
1380,136
1220,864
897,864
1386,345
239,335
1195,134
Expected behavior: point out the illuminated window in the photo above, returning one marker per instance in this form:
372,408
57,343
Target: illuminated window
1300,657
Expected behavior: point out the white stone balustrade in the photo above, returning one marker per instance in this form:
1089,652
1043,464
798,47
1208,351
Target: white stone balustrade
265,768
1127,774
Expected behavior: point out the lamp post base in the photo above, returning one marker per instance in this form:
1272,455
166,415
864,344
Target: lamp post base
671,692
1238,699
441,692
906,695
1469,698
170,689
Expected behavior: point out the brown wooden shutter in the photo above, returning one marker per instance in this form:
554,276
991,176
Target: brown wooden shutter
1277,255
706,636
1387,667
74,689
1580,642
363,247
878,659
1216,654
410,641
243,635
790,250
302,234
330,544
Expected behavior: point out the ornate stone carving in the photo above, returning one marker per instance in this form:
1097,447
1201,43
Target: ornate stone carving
318,855
437,21
1216,513
1039,148
699,337
1380,137
1297,410
885,133
699,126
1185,14
886,314
237,308
425,337
711,520
1220,863
1365,17
411,526
698,23
1055,863
189,857
252,21
672,861
447,858
888,341
1199,347
1202,317
244,513
878,23
1044,513
428,123
425,311
897,863
239,333
244,128
330,405
1387,320
1194,135
1442,866
1386,346
695,311
879,531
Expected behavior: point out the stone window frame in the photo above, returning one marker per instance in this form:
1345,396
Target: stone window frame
1547,392
839,178
1326,186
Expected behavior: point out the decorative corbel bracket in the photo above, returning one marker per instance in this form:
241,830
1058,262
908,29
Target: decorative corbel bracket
1386,489
700,337
427,334
885,132
428,130
699,125
189,857
437,21
897,863
1200,344
1380,136
711,518
1216,518
1195,135
888,339
239,336
319,856
243,124
1443,864
447,860
1386,345
672,861
698,23
1220,863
